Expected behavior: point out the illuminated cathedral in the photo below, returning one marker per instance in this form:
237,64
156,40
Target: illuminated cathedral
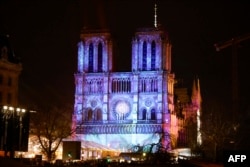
119,110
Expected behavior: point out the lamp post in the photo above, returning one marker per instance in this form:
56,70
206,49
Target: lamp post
20,113
10,115
7,114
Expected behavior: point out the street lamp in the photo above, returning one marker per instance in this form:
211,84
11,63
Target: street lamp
7,113
10,116
20,113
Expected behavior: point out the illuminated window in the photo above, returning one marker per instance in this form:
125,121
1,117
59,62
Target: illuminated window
121,110
122,107
144,56
153,55
99,57
91,58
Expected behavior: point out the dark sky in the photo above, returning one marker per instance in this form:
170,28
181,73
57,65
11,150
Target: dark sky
44,34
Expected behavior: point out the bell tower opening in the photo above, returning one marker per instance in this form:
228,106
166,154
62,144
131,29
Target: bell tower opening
91,58
100,57
153,55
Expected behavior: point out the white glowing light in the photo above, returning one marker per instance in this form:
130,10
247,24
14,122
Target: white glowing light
122,107
198,128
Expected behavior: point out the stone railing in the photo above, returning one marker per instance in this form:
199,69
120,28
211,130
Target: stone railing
119,129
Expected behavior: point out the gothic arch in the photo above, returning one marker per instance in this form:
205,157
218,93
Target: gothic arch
144,114
98,113
153,114
89,114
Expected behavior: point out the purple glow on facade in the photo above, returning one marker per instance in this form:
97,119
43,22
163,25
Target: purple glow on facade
122,109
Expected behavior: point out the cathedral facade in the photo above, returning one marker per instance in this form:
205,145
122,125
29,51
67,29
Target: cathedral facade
122,109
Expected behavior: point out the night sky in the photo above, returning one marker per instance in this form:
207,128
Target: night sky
44,34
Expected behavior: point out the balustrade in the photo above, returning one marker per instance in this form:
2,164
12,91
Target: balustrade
119,129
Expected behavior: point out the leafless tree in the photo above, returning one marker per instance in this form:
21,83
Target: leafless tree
51,126
217,130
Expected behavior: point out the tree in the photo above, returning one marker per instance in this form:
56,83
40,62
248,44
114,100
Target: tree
51,126
154,152
153,147
217,130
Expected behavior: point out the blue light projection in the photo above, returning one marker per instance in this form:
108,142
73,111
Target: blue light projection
122,109
80,56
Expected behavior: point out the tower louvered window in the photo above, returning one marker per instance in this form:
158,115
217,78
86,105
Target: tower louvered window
91,58
153,55
144,56
100,57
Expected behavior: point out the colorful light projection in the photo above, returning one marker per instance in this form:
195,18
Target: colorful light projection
122,109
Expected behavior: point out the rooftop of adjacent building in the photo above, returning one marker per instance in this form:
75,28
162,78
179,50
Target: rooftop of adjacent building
6,50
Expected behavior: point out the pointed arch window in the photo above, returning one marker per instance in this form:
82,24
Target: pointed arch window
90,115
91,58
100,53
153,116
144,114
153,55
144,56
98,115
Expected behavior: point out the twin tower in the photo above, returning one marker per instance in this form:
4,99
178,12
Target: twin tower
119,110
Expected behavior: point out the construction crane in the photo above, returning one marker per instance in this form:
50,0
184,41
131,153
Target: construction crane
231,42
234,43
